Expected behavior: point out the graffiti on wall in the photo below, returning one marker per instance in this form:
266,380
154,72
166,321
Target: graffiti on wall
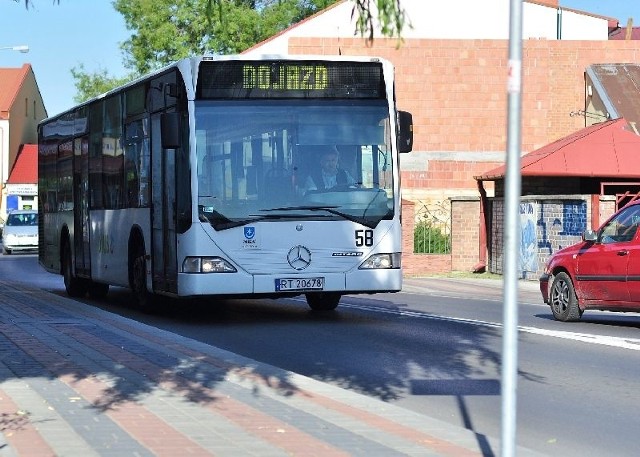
573,223
528,239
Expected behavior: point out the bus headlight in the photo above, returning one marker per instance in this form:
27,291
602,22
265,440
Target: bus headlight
382,261
207,265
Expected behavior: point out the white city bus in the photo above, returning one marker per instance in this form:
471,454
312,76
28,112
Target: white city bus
191,182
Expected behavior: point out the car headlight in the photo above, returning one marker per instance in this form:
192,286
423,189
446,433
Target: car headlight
10,238
382,261
207,265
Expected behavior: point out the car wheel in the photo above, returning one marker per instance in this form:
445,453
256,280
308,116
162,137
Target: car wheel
75,287
563,300
323,301
97,290
6,251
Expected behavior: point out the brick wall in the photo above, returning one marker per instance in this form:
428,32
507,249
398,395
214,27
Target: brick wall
456,90
547,224
555,222
465,242
465,238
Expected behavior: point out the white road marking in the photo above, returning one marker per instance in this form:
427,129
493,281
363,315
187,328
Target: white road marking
612,341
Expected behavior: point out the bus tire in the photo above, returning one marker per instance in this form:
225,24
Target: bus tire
97,290
323,301
75,287
141,295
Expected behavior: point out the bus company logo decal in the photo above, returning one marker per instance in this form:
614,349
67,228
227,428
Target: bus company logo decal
250,240
249,233
299,257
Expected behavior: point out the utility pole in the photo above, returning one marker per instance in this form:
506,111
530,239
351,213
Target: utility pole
511,248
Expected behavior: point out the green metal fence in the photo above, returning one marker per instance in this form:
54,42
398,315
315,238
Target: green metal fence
432,231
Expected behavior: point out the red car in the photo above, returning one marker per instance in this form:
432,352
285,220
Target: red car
601,272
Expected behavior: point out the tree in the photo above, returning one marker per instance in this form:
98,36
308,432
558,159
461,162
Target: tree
163,31
167,30
391,16
89,85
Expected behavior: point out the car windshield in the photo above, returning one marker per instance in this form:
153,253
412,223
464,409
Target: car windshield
293,159
23,219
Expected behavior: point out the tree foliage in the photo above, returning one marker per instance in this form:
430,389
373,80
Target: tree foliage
89,85
392,18
163,31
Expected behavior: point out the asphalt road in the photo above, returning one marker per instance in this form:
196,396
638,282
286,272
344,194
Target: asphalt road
434,348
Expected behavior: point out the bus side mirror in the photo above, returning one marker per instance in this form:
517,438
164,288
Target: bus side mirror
170,130
405,133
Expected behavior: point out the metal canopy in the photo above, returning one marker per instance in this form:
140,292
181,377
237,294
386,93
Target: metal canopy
608,149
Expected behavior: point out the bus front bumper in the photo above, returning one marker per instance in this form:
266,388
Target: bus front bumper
242,284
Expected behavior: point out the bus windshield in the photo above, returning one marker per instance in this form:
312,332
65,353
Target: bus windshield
293,159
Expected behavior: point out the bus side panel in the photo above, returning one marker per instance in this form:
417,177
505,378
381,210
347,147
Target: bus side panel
110,231
54,223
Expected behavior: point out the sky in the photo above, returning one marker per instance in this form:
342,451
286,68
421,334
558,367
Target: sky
61,37
64,35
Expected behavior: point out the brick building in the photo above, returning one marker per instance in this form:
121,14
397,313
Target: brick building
451,72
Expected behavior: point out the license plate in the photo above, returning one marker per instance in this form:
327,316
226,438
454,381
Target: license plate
298,284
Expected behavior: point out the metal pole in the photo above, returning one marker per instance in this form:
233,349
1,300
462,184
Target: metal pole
511,243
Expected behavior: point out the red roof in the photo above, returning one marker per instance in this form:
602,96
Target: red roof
621,34
25,169
11,79
608,149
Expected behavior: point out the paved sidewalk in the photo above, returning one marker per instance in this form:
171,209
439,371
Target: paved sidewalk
79,381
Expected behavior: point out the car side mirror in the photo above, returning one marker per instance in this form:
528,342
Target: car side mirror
590,235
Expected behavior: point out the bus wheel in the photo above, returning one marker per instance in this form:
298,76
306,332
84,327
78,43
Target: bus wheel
323,301
97,290
75,287
139,283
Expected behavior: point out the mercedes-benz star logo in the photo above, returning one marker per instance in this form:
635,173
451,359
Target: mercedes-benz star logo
299,257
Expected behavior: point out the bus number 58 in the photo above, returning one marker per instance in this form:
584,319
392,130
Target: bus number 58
364,238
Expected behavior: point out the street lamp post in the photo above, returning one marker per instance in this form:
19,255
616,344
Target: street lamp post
21,48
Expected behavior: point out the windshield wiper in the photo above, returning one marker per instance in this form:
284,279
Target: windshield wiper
222,222
329,209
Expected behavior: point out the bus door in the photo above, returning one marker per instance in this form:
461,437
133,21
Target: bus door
81,204
163,215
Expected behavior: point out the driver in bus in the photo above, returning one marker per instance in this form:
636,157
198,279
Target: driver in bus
329,174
